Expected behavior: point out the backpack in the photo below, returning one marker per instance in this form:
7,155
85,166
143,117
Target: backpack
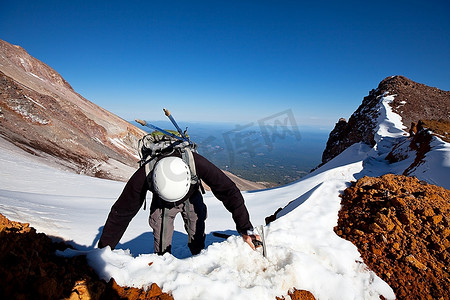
157,144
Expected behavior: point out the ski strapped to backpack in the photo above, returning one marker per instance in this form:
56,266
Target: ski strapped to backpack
164,143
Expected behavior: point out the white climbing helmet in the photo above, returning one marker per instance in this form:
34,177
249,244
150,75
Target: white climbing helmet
171,178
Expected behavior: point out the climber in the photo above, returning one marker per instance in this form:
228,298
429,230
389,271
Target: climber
175,184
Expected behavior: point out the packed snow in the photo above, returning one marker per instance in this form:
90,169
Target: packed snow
302,249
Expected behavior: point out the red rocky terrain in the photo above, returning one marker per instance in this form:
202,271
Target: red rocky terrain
29,269
401,227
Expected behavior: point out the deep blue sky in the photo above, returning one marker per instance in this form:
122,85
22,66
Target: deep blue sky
234,61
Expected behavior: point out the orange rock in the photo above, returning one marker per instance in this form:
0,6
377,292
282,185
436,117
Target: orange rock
398,202
428,212
132,293
374,227
384,222
436,219
412,260
155,291
301,295
412,256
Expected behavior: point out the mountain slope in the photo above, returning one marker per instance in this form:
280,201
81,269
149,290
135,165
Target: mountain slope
42,114
412,102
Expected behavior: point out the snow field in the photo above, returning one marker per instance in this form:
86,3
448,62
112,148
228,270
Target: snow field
303,251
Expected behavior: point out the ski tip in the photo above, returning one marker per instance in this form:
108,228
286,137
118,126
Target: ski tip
142,122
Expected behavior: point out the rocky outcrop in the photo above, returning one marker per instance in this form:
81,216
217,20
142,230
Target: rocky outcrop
421,136
42,114
299,295
413,102
401,227
29,269
359,128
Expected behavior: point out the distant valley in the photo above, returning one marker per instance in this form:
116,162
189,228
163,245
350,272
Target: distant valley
248,154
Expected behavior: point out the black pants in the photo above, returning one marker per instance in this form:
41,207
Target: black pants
162,218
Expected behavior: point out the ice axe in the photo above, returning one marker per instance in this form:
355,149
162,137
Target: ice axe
256,243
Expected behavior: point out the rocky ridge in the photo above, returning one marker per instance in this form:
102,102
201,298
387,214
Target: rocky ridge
413,102
399,223
419,141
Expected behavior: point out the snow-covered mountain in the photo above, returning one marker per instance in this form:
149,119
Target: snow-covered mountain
303,250
411,101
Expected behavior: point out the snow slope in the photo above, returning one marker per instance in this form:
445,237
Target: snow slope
303,251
